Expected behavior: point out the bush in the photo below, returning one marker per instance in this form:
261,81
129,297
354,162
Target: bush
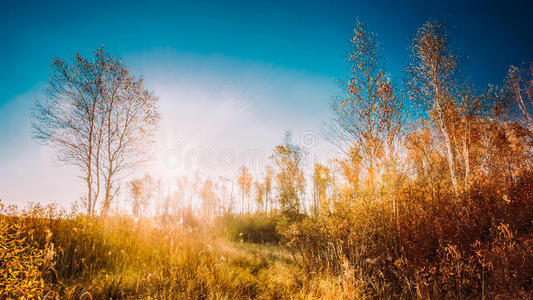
253,228
23,265
472,247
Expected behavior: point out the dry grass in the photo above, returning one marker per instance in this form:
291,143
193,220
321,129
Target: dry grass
119,257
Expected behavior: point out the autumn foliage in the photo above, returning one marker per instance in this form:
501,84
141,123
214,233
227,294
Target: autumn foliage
442,208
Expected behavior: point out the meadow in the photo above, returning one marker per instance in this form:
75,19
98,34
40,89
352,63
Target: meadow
51,253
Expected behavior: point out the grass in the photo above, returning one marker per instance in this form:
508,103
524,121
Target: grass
120,257
351,254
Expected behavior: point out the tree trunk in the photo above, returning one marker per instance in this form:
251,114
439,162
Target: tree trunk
451,163
89,192
108,186
466,153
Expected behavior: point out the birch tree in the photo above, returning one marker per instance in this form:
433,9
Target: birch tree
433,82
367,114
99,117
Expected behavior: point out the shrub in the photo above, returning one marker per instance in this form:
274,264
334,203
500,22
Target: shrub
253,228
22,264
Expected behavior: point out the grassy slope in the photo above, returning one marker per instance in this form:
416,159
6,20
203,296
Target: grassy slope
122,258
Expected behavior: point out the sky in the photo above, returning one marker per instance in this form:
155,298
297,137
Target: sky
231,76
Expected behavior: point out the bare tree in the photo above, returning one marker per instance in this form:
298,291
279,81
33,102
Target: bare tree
98,117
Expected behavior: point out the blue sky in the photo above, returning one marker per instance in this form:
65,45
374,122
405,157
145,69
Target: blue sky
230,74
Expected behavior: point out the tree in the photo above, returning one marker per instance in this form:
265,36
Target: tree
245,183
290,177
142,190
98,117
321,182
350,169
269,175
519,86
433,82
225,193
260,195
209,199
367,115
473,114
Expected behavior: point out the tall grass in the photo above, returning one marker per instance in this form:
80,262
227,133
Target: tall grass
121,257
481,247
